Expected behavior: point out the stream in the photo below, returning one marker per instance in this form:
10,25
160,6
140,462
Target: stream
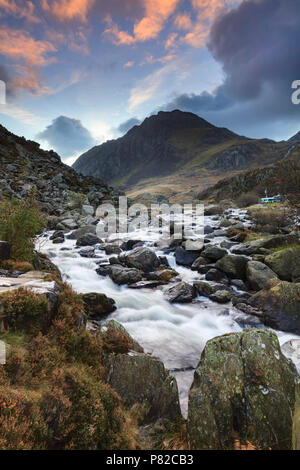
174,333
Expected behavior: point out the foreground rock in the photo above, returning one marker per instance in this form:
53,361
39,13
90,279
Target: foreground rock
243,389
143,384
233,265
280,303
142,258
121,275
286,263
98,305
180,293
258,274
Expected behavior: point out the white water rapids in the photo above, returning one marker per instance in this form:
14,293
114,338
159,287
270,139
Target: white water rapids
174,333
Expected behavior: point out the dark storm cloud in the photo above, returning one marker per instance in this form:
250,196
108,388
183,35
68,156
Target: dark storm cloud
258,46
127,125
67,136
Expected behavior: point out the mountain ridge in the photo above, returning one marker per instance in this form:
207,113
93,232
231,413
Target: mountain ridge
172,152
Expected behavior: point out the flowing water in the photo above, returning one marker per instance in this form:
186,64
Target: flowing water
174,333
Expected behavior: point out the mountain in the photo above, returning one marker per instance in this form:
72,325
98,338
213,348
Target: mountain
23,165
175,153
295,139
283,177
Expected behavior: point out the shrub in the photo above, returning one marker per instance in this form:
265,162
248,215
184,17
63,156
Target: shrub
247,199
116,341
23,309
20,222
269,220
12,265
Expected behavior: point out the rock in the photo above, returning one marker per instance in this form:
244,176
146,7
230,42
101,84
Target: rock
180,293
239,284
134,345
286,263
221,297
204,288
88,229
87,252
121,275
98,305
42,263
4,251
103,270
242,250
146,284
280,303
258,274
69,223
130,244
213,252
142,381
111,249
185,257
57,234
198,263
58,240
243,390
215,275
226,244
233,265
274,241
143,259
208,230
87,210
165,275
87,240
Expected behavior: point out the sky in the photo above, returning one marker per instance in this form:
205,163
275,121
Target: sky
80,72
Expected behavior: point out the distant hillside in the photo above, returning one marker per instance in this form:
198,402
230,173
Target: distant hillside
175,154
278,178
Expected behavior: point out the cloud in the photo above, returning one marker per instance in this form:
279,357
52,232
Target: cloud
129,64
19,9
124,127
183,21
146,88
157,12
68,10
18,44
67,136
258,46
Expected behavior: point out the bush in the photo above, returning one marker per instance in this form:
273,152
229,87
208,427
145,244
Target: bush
247,199
116,341
20,222
23,309
269,220
22,266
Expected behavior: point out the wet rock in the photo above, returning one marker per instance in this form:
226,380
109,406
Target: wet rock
180,293
146,284
286,263
4,251
221,297
258,274
280,303
121,275
98,305
87,252
241,250
204,288
239,284
143,259
165,275
243,389
57,234
208,229
213,252
233,265
213,209
87,210
88,239
110,249
58,240
88,229
103,270
42,263
142,382
69,223
186,257
199,262
215,275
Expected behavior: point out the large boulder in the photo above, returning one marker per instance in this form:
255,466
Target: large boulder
243,390
121,275
89,239
180,293
286,263
142,258
213,252
233,265
87,229
186,257
98,305
258,274
4,251
142,382
280,303
274,241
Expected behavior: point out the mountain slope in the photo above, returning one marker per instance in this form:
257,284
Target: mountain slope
24,165
176,152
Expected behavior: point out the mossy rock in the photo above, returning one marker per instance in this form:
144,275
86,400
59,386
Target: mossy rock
243,390
286,263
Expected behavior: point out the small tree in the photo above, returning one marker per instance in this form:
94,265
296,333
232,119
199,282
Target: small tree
20,222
